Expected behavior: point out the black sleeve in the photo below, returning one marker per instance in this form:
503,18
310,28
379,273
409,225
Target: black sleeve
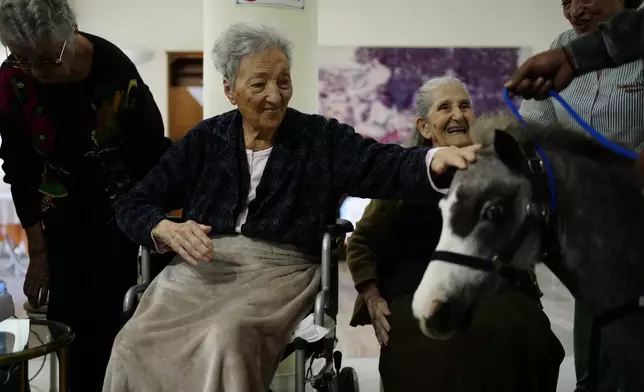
368,169
618,41
163,189
144,131
23,170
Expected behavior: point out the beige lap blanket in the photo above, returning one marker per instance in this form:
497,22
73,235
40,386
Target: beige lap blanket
216,327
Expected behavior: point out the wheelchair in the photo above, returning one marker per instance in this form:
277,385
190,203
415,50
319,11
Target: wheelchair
332,377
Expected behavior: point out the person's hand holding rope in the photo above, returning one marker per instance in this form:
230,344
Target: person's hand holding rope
550,70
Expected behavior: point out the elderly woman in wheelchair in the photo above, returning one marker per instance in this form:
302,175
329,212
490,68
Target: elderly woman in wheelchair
258,186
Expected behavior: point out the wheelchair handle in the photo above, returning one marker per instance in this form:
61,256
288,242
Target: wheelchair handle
332,232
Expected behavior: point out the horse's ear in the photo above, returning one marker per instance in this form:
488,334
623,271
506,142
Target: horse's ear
508,151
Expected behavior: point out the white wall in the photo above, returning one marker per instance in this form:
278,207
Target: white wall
530,23
171,25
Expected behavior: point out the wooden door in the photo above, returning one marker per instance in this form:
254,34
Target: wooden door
185,78
185,85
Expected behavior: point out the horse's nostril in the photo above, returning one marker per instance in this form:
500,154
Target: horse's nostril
440,320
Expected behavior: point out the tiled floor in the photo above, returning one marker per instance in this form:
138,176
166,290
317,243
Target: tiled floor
358,345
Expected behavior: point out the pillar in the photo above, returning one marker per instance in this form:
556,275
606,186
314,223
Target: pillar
299,26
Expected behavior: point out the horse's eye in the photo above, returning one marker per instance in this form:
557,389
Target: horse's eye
492,212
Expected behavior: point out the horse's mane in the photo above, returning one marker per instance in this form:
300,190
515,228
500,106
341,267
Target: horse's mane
556,137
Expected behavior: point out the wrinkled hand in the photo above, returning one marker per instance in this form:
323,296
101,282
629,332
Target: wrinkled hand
188,239
36,286
452,156
551,70
378,311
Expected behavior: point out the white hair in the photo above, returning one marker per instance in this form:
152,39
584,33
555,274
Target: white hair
29,23
242,39
426,98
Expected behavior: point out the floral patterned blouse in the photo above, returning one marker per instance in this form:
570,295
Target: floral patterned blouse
78,145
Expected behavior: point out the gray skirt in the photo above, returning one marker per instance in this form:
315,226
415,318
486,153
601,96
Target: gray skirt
219,326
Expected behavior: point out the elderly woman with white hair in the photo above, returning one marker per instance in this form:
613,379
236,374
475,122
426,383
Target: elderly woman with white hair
79,127
256,185
509,347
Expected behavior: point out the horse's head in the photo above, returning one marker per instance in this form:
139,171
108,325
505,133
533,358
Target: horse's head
485,208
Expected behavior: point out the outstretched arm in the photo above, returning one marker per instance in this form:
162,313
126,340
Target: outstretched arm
368,169
618,41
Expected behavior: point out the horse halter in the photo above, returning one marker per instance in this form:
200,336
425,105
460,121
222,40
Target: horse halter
540,213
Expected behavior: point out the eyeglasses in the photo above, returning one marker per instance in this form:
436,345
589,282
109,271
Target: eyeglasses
37,64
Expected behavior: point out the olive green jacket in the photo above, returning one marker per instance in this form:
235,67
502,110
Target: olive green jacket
370,235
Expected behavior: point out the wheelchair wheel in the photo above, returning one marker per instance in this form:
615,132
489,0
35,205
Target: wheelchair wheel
348,380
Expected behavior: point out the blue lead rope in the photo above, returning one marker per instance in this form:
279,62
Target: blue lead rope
546,163
596,135
625,152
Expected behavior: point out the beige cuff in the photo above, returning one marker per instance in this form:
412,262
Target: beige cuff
157,248
428,160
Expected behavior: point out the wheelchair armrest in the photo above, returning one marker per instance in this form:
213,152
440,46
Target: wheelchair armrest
131,296
327,298
339,228
146,265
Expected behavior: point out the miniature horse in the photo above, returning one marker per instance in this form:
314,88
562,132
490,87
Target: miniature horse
534,190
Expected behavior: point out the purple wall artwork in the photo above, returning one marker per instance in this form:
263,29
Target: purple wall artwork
373,89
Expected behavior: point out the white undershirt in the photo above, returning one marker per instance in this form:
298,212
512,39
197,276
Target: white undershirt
256,165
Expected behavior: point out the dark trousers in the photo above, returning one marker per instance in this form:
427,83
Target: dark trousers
607,377
91,268
509,348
